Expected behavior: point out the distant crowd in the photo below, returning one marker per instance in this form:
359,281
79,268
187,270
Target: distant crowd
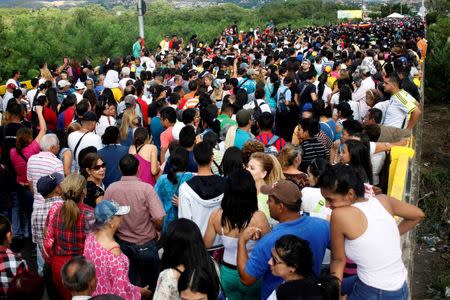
254,166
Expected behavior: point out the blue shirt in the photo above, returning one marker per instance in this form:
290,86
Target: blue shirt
248,84
111,155
156,129
241,137
316,231
191,167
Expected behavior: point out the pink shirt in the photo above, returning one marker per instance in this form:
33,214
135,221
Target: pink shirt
111,271
137,226
20,165
166,137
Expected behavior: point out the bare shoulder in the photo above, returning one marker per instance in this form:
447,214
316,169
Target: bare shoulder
258,218
115,249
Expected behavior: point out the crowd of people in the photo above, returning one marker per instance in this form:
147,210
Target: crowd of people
251,167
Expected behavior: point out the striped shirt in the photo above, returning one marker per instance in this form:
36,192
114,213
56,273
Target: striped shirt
42,164
312,148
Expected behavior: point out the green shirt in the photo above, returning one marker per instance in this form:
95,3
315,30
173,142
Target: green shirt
225,121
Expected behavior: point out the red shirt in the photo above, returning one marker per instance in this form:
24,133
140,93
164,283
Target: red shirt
265,137
144,110
51,119
62,241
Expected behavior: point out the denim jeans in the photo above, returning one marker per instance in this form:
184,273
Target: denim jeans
22,207
144,262
356,290
40,261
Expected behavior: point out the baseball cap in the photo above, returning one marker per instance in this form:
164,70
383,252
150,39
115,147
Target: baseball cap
284,190
80,86
89,116
218,82
11,86
251,72
129,100
126,71
47,184
243,117
107,209
63,83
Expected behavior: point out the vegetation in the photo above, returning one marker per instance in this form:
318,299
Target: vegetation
437,66
28,37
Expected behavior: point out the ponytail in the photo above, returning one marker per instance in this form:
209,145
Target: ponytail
73,188
69,213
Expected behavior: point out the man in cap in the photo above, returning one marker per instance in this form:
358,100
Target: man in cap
125,75
85,137
8,95
243,134
367,83
49,187
79,91
63,89
284,205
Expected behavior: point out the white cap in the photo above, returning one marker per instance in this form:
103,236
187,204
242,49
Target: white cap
80,86
63,83
126,71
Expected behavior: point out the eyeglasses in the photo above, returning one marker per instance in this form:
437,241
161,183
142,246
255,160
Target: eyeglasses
98,167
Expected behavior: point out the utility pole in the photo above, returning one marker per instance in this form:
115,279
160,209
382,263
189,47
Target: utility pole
401,7
140,18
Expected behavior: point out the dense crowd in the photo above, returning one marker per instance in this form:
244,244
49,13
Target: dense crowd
251,167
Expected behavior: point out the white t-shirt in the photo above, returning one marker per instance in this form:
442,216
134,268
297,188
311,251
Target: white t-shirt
261,103
103,123
78,96
314,203
30,96
90,139
8,96
377,160
123,82
177,129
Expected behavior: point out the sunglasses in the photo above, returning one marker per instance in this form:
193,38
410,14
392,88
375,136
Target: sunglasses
276,261
98,167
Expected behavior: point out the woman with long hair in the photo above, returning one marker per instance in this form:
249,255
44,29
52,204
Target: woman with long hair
364,230
239,209
292,260
22,200
93,168
111,265
67,224
184,252
231,161
130,122
271,89
290,158
106,111
147,154
168,184
265,169
358,156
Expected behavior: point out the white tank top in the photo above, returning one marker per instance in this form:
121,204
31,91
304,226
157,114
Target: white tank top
230,245
377,252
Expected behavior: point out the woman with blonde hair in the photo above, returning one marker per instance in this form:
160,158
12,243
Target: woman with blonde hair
265,169
67,225
130,122
290,159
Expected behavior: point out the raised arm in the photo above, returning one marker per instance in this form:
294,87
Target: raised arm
42,124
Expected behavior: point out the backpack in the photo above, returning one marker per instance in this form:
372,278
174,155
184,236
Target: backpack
281,106
257,110
270,147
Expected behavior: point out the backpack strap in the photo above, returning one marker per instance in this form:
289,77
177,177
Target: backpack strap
272,140
242,83
78,144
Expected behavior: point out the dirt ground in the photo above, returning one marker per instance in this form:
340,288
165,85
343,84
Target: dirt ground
432,263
